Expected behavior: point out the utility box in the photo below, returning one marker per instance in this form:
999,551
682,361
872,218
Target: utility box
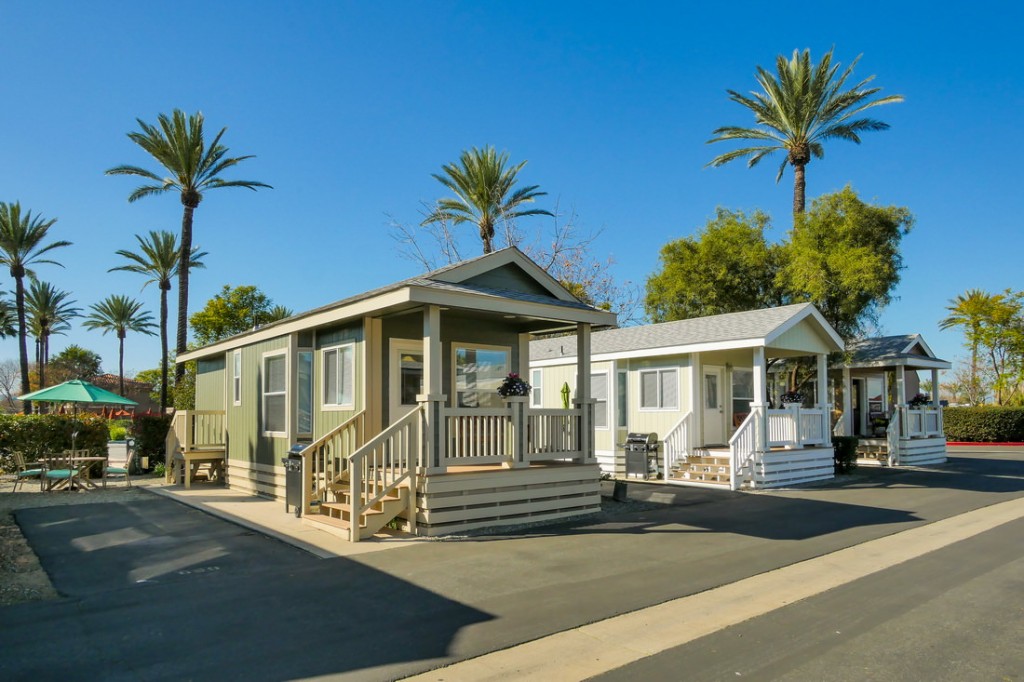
293,478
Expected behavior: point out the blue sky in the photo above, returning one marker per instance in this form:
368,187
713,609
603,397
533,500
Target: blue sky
349,108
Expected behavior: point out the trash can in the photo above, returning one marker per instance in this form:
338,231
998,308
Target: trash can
293,478
137,466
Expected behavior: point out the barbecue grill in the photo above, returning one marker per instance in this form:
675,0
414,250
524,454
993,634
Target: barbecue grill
641,454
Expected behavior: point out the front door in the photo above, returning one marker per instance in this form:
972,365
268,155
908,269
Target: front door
406,377
714,405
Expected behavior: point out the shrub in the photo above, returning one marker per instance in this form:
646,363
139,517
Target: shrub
845,458
150,433
984,424
35,435
117,431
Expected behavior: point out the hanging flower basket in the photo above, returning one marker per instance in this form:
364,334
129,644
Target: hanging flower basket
792,398
513,386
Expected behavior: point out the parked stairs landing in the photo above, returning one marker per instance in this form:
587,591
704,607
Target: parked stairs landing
707,466
336,517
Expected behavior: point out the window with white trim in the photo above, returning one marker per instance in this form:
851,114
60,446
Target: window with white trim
599,392
339,376
536,379
659,389
622,399
479,371
275,395
236,377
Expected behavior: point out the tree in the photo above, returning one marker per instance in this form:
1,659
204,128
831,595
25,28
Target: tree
158,260
483,187
844,257
798,109
10,378
177,144
49,312
22,238
1001,337
75,362
8,319
154,377
970,310
120,315
233,311
728,266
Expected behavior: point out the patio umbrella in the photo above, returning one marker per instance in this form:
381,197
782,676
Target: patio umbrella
76,391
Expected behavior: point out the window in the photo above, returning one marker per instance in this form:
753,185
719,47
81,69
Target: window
339,376
536,378
305,393
478,373
742,391
275,395
599,392
237,377
659,389
621,399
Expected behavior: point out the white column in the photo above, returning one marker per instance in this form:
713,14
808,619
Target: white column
935,401
432,360
760,404
430,451
583,400
823,398
697,404
848,426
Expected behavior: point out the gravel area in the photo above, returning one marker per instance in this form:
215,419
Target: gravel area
22,579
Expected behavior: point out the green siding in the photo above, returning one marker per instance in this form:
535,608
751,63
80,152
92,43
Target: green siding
325,420
210,384
246,441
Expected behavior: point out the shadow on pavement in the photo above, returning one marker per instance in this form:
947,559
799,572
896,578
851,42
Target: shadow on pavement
161,591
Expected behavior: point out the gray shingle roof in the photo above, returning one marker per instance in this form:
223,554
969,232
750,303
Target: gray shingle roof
884,348
751,324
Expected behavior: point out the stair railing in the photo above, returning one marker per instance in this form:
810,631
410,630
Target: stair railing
677,442
325,460
892,437
743,447
383,464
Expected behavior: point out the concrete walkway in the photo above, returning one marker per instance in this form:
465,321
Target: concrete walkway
590,650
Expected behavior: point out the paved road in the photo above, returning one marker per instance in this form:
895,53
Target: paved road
217,602
955,614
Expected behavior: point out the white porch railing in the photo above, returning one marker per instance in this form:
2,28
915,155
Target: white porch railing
798,426
514,434
923,422
892,438
677,442
197,430
386,462
325,460
743,447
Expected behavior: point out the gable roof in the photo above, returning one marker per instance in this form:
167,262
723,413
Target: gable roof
501,281
904,349
731,330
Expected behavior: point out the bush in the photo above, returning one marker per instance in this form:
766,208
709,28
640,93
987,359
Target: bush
117,431
984,424
150,433
845,457
36,435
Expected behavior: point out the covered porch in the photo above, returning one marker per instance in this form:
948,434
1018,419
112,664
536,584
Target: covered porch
740,436
895,421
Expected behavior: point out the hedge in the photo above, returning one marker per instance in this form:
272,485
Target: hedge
984,424
150,435
35,435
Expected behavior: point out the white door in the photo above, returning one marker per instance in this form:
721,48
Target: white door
406,377
713,398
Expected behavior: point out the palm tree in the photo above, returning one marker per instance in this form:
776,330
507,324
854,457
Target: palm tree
483,189
21,246
49,312
970,310
798,109
177,144
8,319
158,260
119,314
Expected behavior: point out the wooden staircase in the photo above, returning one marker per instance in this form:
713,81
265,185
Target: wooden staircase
705,466
335,516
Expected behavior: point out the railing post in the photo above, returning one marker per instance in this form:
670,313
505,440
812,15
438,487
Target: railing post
434,442
517,407
586,432
190,431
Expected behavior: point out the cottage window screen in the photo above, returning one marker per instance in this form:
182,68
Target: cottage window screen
659,389
478,373
275,395
622,399
536,398
742,390
237,377
339,376
599,392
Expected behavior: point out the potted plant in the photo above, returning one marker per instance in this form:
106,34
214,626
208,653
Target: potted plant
792,398
879,424
919,400
513,386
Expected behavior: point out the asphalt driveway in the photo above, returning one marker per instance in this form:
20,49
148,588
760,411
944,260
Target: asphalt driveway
155,590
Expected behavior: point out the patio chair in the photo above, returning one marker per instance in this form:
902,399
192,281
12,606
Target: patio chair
123,470
58,469
27,470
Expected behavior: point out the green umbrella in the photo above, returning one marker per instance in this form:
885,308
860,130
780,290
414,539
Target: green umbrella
74,392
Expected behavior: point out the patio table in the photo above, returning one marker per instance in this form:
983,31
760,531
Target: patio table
77,468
